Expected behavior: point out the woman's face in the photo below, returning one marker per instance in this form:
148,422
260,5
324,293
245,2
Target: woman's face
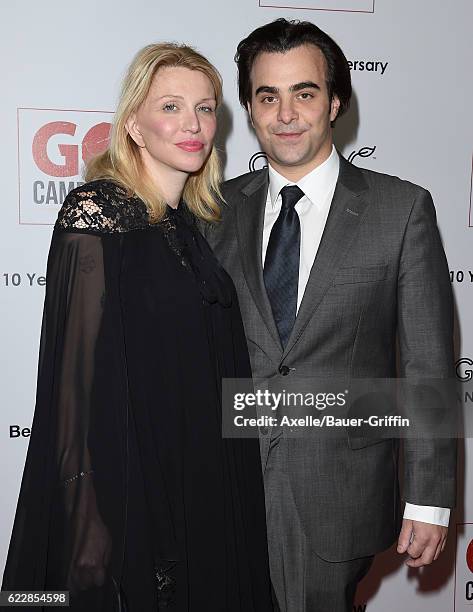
175,126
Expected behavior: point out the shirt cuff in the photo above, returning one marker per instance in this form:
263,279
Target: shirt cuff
427,514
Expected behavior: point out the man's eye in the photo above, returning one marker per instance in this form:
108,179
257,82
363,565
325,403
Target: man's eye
170,106
305,95
269,99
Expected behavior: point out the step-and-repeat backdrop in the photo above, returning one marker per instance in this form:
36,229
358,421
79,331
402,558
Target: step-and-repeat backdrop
62,64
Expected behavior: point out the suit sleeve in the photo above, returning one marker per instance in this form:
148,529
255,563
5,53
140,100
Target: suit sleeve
425,332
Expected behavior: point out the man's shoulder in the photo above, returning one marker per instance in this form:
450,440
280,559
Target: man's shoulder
390,183
393,196
234,186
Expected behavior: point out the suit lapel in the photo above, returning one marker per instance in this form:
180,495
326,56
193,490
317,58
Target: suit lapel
250,219
346,210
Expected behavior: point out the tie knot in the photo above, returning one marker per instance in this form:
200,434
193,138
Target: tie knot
291,194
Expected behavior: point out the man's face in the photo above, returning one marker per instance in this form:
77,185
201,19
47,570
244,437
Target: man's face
291,111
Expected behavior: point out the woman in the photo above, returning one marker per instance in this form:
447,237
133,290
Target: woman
130,497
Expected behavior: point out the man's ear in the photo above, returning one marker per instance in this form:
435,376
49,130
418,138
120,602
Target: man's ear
132,128
248,108
334,107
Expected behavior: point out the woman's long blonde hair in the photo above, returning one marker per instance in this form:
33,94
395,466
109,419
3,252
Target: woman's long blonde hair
122,163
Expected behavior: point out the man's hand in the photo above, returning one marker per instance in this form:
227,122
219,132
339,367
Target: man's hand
423,542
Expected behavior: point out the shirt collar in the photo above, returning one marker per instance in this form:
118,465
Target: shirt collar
316,185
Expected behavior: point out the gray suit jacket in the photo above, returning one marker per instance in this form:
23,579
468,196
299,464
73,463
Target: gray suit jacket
380,277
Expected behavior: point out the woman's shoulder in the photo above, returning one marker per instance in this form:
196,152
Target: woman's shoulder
101,207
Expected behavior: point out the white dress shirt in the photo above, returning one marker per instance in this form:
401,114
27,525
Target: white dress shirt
313,208
318,187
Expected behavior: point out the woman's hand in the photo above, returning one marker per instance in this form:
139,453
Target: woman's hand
91,556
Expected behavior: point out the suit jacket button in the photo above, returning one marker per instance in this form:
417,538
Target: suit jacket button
284,370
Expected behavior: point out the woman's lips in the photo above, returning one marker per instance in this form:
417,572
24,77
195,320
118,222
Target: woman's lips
191,145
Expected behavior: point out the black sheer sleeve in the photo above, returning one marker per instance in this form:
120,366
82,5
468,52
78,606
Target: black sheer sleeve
78,261
68,527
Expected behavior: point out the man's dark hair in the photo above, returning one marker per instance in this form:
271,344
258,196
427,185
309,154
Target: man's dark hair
282,35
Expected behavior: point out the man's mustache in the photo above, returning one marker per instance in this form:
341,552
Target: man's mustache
292,130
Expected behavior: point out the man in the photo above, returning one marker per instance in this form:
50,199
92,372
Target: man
332,264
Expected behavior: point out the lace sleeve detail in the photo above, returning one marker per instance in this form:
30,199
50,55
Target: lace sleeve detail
102,207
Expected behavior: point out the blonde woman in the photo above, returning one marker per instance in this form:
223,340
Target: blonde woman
131,499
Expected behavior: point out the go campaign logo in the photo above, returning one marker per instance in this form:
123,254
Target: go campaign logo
463,595
258,161
53,144
464,369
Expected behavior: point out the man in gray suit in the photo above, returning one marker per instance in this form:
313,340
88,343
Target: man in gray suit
333,265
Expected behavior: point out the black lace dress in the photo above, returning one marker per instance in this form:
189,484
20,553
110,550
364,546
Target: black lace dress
131,498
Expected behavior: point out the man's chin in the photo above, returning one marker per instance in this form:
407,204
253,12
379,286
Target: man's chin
291,161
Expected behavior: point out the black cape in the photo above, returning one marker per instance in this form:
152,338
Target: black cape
130,498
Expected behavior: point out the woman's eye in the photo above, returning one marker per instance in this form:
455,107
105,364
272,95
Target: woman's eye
206,109
170,106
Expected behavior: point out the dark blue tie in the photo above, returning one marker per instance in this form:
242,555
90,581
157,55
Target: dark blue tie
281,266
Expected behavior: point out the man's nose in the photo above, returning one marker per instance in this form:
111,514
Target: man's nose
287,111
